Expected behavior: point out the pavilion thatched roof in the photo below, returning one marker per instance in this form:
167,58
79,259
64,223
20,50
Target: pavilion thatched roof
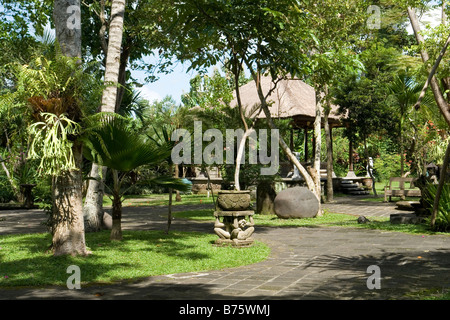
292,98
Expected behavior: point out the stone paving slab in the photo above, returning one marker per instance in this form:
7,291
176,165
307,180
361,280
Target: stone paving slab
328,263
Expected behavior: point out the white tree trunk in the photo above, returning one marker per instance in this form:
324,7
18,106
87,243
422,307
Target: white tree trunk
317,147
309,177
93,206
241,149
439,97
113,56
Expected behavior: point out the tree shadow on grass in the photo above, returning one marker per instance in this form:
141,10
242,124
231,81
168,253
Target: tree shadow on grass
24,262
30,263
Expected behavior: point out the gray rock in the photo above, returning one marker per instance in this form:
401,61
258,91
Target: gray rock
107,221
296,202
362,220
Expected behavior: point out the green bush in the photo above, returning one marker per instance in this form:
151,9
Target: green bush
386,166
443,215
6,191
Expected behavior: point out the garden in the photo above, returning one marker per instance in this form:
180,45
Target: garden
79,143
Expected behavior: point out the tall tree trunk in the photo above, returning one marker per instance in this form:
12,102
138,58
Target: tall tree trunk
113,57
317,147
116,231
169,213
93,203
240,152
438,96
329,143
402,148
237,71
310,182
67,20
177,175
93,206
68,226
440,186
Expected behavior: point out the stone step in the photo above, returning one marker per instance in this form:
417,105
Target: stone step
350,187
405,218
359,193
354,189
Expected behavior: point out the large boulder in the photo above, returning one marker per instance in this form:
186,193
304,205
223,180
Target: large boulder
296,202
265,197
107,221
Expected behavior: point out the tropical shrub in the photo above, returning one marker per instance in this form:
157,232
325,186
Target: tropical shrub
386,166
443,215
6,192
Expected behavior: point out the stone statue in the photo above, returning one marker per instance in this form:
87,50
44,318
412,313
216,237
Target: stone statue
244,229
234,228
370,167
223,229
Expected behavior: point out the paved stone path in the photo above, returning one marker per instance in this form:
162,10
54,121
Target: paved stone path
326,263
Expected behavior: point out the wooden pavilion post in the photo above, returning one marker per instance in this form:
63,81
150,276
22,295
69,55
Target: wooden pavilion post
291,142
350,156
305,142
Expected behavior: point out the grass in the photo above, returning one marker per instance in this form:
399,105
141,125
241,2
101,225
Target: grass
327,220
430,294
160,200
24,261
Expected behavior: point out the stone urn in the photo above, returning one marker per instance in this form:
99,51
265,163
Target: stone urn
233,200
367,182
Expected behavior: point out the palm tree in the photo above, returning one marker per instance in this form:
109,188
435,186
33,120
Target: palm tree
111,142
406,92
94,196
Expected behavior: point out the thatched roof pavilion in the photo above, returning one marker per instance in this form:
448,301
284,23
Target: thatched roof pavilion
292,98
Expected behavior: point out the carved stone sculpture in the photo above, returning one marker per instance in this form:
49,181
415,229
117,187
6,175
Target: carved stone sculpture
234,228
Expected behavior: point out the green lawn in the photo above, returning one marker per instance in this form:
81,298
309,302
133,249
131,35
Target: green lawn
141,254
328,219
160,200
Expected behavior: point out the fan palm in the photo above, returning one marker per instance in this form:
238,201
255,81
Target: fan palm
112,143
406,91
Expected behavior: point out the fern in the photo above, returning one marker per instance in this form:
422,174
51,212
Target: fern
51,144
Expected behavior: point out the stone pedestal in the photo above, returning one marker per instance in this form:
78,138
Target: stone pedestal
234,228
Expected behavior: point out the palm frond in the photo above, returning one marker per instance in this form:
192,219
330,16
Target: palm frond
113,143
